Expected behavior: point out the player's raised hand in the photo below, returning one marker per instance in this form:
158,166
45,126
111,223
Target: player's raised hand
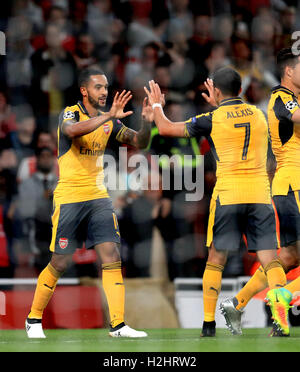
154,95
147,111
120,101
209,85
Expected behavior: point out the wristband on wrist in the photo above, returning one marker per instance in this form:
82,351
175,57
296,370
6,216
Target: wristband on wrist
156,105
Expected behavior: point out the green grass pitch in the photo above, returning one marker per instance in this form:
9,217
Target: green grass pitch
159,340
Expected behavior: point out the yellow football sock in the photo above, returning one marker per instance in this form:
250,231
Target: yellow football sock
212,278
257,283
275,274
44,290
294,286
113,285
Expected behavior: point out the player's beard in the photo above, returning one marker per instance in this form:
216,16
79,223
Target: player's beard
93,102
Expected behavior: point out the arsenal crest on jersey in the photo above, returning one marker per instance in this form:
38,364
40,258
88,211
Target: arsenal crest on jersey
63,243
106,128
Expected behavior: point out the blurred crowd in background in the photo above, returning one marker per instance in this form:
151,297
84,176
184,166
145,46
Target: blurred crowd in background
179,43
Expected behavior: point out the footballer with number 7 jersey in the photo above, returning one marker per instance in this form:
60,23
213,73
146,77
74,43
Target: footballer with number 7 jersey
241,200
284,127
83,211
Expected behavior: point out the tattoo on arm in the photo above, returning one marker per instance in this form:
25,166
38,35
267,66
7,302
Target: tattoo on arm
138,139
143,135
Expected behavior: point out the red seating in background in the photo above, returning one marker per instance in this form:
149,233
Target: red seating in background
74,307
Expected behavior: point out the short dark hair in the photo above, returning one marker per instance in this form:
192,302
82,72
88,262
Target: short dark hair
228,81
285,57
40,150
85,74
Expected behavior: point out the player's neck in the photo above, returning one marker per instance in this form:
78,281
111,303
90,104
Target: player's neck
289,85
90,109
222,98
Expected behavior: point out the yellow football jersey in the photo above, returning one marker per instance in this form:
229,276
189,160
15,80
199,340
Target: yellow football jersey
80,160
238,135
285,139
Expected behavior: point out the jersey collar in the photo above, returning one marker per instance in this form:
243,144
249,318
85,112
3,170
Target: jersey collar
84,110
231,101
280,88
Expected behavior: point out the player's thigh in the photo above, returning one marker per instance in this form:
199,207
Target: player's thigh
225,226
288,211
102,224
67,228
261,228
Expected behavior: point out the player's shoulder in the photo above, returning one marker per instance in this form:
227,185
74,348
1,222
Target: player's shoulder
283,101
280,94
195,118
72,108
70,112
281,91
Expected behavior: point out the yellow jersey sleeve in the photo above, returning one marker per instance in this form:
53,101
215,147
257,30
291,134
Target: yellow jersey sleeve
285,106
285,140
69,113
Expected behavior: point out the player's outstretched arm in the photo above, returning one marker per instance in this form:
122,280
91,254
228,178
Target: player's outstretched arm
141,138
296,117
72,128
165,126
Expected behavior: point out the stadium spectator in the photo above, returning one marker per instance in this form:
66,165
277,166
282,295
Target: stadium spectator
181,19
35,204
256,95
200,39
85,51
7,117
17,61
28,166
146,65
21,140
7,256
53,78
105,27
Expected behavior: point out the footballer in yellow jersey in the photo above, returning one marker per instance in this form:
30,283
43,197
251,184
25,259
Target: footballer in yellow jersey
285,140
83,211
241,201
284,129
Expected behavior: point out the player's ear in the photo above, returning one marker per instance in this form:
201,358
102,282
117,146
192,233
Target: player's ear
217,92
240,91
83,91
289,71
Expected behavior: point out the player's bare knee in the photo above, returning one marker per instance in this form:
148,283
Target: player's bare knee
289,256
266,256
217,257
61,262
108,252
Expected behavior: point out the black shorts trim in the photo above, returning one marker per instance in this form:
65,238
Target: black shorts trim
288,211
91,222
228,223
